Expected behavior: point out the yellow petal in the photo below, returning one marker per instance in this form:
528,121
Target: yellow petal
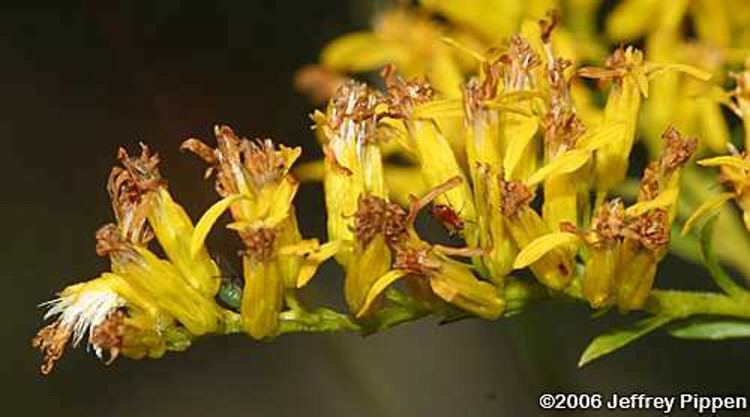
652,68
707,207
568,162
464,48
378,287
436,109
732,161
522,131
314,259
207,221
492,18
360,51
601,136
665,199
541,246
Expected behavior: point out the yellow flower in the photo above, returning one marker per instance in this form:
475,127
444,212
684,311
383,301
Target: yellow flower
147,305
354,186
555,268
411,102
430,274
631,75
649,221
602,253
410,40
254,181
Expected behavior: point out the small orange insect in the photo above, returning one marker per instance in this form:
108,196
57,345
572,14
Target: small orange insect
448,218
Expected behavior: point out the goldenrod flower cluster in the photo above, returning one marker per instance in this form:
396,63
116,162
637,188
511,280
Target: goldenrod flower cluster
513,125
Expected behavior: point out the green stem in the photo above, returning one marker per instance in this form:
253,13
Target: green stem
682,304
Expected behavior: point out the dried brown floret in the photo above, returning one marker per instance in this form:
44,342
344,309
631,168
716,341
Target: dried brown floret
677,150
477,91
607,225
650,229
108,335
203,151
514,196
264,163
235,156
259,243
369,220
562,130
356,102
416,261
51,340
127,187
396,225
649,187
404,95
520,60
109,240
609,220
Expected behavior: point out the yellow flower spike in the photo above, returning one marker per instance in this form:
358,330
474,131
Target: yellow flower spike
163,281
555,269
541,246
623,104
562,133
209,218
706,208
631,74
484,154
353,159
516,130
184,286
646,236
436,157
265,221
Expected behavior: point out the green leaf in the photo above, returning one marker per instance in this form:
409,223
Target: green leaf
711,329
719,275
617,338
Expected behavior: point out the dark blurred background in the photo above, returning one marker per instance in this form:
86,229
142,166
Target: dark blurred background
81,78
